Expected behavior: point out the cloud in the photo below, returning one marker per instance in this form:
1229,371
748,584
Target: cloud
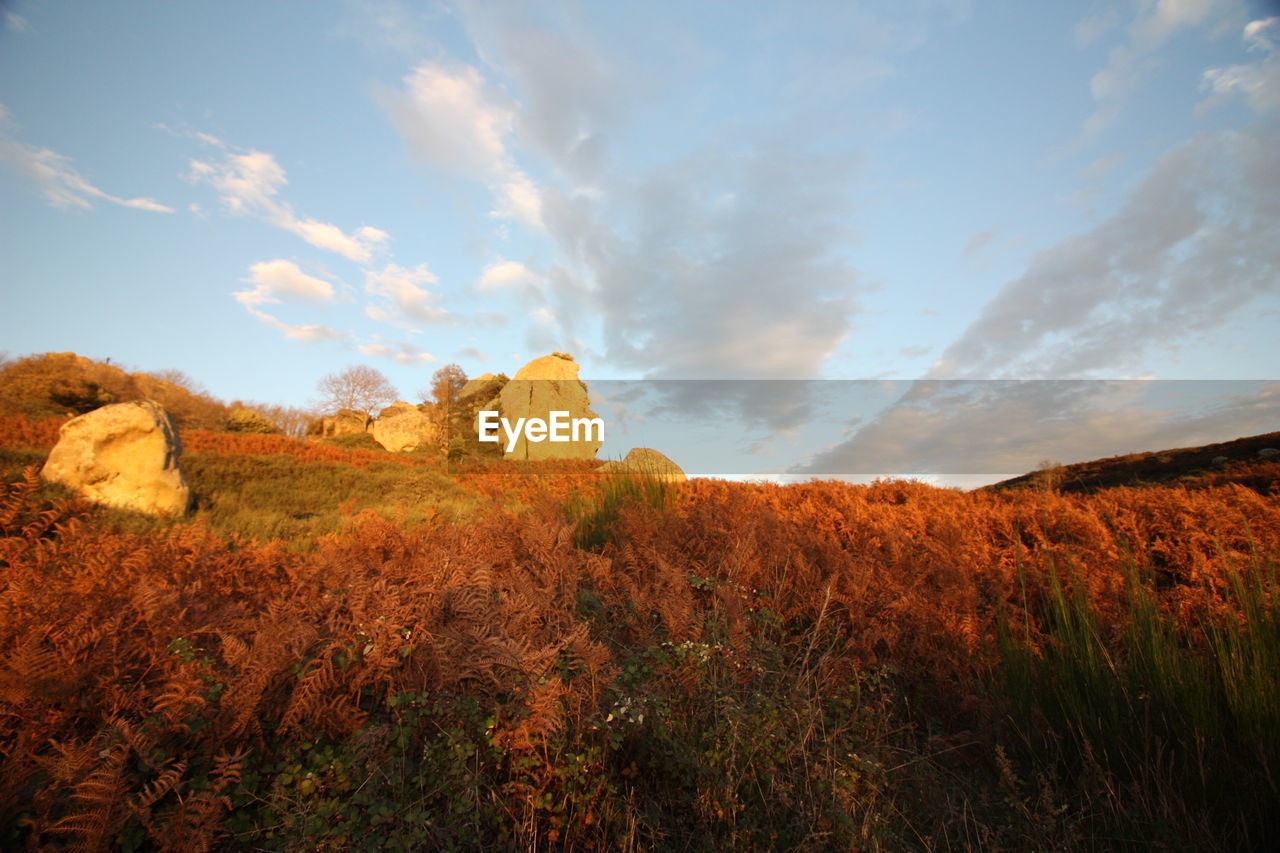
406,300
1155,23
277,278
307,333
1258,82
724,263
501,274
452,120
978,242
16,22
248,185
714,252
1197,239
1008,427
402,352
56,179
1094,27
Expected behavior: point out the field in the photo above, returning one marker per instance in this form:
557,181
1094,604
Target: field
345,649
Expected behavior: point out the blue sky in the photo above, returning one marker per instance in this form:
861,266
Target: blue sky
261,193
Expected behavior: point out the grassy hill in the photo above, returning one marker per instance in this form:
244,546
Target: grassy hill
349,649
1236,461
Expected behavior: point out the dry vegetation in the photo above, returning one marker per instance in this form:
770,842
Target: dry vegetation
535,657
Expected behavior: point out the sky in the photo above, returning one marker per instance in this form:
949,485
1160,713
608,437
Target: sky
258,194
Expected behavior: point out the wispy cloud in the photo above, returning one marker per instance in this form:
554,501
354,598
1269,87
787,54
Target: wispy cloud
452,120
1154,24
16,22
401,352
249,183
404,297
1197,239
309,332
1258,82
56,178
1008,427
501,274
273,279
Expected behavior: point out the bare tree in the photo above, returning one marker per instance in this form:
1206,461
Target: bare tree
443,391
358,387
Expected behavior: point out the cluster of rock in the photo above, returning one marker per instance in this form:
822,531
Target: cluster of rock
127,454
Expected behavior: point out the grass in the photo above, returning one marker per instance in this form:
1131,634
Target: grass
594,517
1175,726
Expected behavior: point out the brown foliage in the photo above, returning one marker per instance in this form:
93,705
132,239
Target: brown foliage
126,661
53,384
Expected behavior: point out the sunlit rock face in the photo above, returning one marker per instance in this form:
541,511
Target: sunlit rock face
402,426
124,455
544,385
648,462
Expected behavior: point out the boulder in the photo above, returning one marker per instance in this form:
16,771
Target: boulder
249,420
345,422
1221,460
647,461
399,407
1268,453
402,426
124,455
484,387
544,385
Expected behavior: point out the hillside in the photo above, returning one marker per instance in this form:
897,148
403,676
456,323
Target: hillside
64,383
1236,461
346,648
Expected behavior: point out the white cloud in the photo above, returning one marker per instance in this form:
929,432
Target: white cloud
307,333
407,301
248,184
277,278
56,179
16,22
508,274
1258,82
399,351
452,120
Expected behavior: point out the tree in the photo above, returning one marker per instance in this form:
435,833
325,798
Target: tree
358,387
446,383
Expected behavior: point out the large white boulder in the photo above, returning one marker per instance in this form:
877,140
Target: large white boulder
123,455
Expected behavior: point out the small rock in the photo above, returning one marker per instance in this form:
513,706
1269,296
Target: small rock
1268,453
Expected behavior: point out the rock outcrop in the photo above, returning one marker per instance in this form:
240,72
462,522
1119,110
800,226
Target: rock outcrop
344,422
402,426
649,462
124,455
484,387
542,386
